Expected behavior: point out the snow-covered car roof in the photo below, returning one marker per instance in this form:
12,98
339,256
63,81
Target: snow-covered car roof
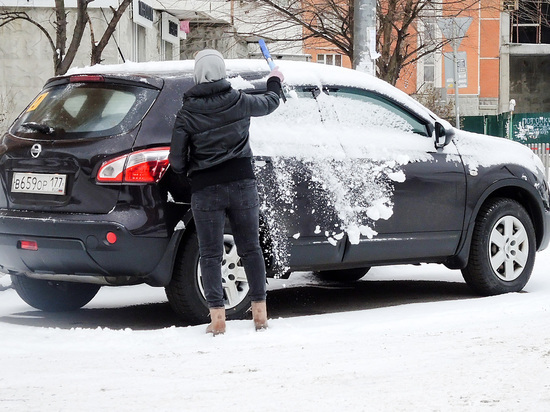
480,148
296,73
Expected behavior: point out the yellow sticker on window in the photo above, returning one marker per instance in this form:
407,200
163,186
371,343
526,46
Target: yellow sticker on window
37,102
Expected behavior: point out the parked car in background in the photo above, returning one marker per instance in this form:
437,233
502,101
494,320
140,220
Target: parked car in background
352,173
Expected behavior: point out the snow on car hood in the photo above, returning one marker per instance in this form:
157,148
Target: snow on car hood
484,151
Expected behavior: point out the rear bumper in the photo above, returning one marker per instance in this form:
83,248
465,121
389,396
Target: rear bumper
76,245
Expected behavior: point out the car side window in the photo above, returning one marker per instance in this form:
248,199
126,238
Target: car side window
296,129
370,109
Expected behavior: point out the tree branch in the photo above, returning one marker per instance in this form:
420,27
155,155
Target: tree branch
8,17
97,50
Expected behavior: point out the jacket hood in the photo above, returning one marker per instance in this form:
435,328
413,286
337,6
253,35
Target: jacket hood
210,97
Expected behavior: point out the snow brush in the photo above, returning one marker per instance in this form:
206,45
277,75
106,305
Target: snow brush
270,62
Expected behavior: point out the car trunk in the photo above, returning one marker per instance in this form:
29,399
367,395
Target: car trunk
50,157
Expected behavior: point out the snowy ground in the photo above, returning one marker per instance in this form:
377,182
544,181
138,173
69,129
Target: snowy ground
441,355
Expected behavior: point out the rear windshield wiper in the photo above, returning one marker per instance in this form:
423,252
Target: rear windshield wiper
42,128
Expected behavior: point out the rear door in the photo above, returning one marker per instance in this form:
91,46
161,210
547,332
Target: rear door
50,156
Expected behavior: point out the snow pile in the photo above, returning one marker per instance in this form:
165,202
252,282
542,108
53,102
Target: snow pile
5,282
239,83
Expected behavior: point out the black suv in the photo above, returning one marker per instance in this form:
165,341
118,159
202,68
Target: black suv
352,173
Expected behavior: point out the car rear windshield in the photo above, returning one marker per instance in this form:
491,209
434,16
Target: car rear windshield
85,110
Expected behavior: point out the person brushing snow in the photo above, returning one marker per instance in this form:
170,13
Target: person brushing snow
210,144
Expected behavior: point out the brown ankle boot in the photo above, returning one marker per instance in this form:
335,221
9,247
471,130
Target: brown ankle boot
217,321
259,314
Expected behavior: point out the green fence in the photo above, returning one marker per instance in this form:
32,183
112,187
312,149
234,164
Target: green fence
491,125
526,128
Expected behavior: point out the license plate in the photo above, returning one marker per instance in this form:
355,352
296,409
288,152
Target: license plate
41,183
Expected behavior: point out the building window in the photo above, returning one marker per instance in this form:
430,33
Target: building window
140,38
429,69
530,21
330,59
168,52
429,39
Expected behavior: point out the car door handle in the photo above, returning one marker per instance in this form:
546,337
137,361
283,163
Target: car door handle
262,162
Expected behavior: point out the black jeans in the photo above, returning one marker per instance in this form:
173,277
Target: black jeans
239,202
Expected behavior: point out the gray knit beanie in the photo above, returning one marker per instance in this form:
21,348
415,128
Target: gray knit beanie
209,66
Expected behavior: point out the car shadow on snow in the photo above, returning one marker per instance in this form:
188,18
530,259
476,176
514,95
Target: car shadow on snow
332,297
296,300
136,317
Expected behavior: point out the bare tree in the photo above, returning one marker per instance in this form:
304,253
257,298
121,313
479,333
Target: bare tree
433,99
327,20
400,38
97,48
62,55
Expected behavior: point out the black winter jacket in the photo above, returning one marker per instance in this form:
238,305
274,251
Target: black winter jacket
212,126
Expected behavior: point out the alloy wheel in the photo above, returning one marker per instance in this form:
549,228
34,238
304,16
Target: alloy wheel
508,248
234,282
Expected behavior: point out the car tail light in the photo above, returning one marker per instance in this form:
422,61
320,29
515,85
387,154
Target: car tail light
86,78
28,245
144,166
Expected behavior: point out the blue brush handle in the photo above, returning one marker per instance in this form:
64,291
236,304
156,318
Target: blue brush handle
266,54
269,60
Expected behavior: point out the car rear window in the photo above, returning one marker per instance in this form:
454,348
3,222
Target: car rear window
85,110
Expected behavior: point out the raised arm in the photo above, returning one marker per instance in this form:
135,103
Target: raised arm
261,105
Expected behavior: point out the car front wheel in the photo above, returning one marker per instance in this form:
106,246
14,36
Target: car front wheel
503,248
185,291
53,296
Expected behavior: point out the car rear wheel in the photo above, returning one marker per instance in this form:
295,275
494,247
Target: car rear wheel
503,248
345,275
185,291
53,296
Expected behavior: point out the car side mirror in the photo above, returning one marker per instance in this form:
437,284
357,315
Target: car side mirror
443,133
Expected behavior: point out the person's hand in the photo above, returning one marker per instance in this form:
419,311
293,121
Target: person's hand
277,73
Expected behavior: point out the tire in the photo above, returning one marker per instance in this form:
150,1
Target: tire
345,275
502,252
185,292
53,296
